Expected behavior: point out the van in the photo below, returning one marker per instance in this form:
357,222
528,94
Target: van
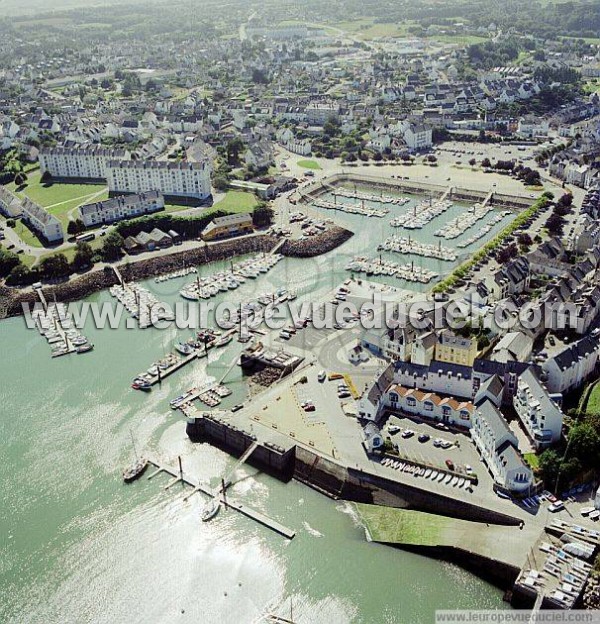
321,376
285,335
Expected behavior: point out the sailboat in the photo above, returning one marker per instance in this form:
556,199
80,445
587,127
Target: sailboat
136,469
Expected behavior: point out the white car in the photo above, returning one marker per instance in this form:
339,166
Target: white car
557,506
393,429
407,433
322,376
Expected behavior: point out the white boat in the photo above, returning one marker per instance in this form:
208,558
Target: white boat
427,473
433,475
440,476
211,509
448,479
454,482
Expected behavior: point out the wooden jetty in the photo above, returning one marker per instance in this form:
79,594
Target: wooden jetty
179,476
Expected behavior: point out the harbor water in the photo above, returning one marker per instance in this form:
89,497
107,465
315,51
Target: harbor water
77,545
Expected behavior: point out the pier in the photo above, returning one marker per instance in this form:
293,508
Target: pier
179,476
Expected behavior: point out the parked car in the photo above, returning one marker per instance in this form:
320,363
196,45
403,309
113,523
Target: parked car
393,429
322,376
557,506
424,437
450,464
407,433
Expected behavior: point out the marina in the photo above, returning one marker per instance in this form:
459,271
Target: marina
456,227
403,245
361,209
210,286
422,214
407,272
485,230
383,199
141,304
54,323
176,274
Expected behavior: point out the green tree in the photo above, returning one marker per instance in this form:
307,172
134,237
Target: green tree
262,215
112,249
83,256
55,266
75,227
20,274
234,149
8,261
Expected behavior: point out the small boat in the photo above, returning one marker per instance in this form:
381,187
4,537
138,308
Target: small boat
225,340
135,470
184,348
454,481
448,479
84,348
211,509
434,475
441,476
141,384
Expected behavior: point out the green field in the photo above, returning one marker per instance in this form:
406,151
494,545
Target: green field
533,460
309,164
460,39
593,404
236,201
391,525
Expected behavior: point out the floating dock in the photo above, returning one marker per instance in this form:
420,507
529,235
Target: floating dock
226,501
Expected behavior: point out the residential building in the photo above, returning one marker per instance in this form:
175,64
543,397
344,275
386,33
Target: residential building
123,207
569,368
514,346
455,349
82,163
10,205
540,415
40,220
173,179
498,446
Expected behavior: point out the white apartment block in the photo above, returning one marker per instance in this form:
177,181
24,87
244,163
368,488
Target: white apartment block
123,207
497,446
45,224
88,162
569,368
178,179
10,205
417,137
540,415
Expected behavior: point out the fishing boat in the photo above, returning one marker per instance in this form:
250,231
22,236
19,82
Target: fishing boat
141,384
210,510
184,348
85,347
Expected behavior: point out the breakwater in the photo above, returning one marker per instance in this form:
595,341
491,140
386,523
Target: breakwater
76,288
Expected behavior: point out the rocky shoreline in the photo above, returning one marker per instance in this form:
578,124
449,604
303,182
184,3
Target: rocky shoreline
11,299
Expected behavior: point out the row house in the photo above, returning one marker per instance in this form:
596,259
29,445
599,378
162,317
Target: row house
119,208
41,221
568,369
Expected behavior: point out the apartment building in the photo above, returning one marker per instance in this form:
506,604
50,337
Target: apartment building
41,221
175,179
540,415
123,207
10,205
82,163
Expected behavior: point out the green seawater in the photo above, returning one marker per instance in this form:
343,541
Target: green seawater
79,546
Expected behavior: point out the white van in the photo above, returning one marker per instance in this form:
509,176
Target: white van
322,376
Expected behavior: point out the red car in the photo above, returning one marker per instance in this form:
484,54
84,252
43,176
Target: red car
450,464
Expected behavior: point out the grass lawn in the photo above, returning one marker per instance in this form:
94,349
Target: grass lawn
461,39
309,164
388,524
533,460
236,201
593,404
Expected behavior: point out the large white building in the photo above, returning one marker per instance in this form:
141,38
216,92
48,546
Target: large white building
417,136
498,446
569,368
45,224
123,207
540,415
86,162
176,179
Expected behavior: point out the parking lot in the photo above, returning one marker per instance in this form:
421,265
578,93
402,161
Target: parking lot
459,451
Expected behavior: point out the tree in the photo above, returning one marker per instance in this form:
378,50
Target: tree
262,215
20,178
83,256
234,149
550,462
112,248
75,227
485,163
221,182
472,162
584,443
8,261
55,266
20,274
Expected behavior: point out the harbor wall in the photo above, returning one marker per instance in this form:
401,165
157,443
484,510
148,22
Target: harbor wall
286,459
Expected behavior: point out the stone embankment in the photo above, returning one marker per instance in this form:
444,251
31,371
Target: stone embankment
78,287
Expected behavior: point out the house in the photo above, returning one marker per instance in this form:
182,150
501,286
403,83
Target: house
123,207
498,446
228,226
423,348
512,278
259,155
455,349
515,346
373,440
156,239
429,405
540,415
418,137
